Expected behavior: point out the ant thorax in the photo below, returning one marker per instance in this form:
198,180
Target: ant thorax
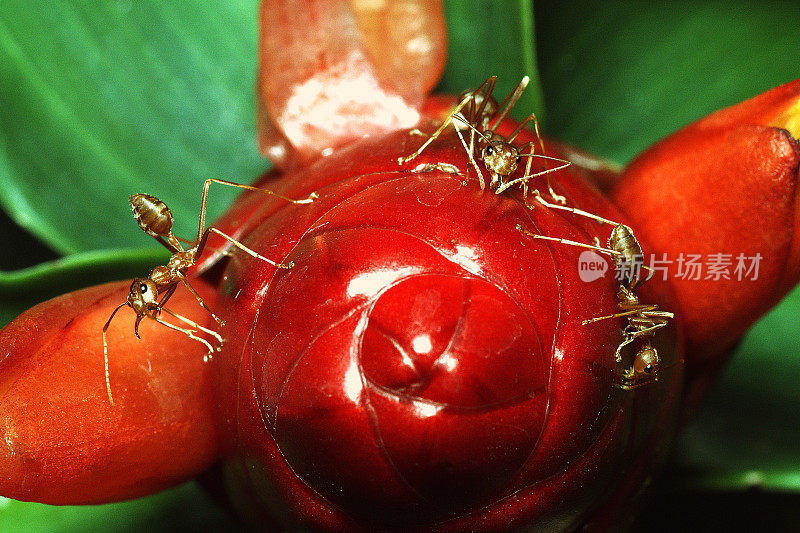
163,276
626,296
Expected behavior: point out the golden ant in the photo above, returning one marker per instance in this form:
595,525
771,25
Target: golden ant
481,113
155,219
643,319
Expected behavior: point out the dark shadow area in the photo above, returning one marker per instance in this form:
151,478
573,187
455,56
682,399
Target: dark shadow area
683,510
20,248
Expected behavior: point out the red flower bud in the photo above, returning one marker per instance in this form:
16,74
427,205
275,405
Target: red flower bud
423,364
424,361
63,442
726,184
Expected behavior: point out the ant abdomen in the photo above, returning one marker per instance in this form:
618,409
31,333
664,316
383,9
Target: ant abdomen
623,241
476,115
152,215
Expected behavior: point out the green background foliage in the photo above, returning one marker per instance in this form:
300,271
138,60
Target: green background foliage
102,99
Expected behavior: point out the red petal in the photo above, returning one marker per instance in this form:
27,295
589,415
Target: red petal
63,442
333,71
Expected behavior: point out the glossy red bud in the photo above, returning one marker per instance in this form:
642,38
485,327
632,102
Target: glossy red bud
63,442
424,364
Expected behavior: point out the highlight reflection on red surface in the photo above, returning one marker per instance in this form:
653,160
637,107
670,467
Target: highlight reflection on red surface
424,360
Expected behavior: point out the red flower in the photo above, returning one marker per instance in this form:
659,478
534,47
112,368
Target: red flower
423,363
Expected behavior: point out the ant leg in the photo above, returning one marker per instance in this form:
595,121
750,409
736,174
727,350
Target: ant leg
221,252
195,325
629,383
521,126
567,241
647,331
489,86
509,102
188,332
208,183
470,150
659,314
447,121
618,353
553,194
199,299
217,250
576,211
525,183
618,315
471,153
532,117
241,246
105,352
168,294
527,172
527,177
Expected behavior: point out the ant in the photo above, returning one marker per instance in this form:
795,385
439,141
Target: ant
148,296
481,113
643,319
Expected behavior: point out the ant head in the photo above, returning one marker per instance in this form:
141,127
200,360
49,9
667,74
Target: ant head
646,363
501,157
142,296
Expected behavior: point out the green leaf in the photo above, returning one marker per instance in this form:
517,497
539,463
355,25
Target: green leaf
184,508
488,37
746,435
23,249
155,97
22,289
105,99
617,77
620,75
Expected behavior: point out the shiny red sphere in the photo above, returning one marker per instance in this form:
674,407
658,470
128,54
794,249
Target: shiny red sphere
424,363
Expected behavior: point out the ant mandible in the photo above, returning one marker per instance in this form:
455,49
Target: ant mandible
481,113
148,296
